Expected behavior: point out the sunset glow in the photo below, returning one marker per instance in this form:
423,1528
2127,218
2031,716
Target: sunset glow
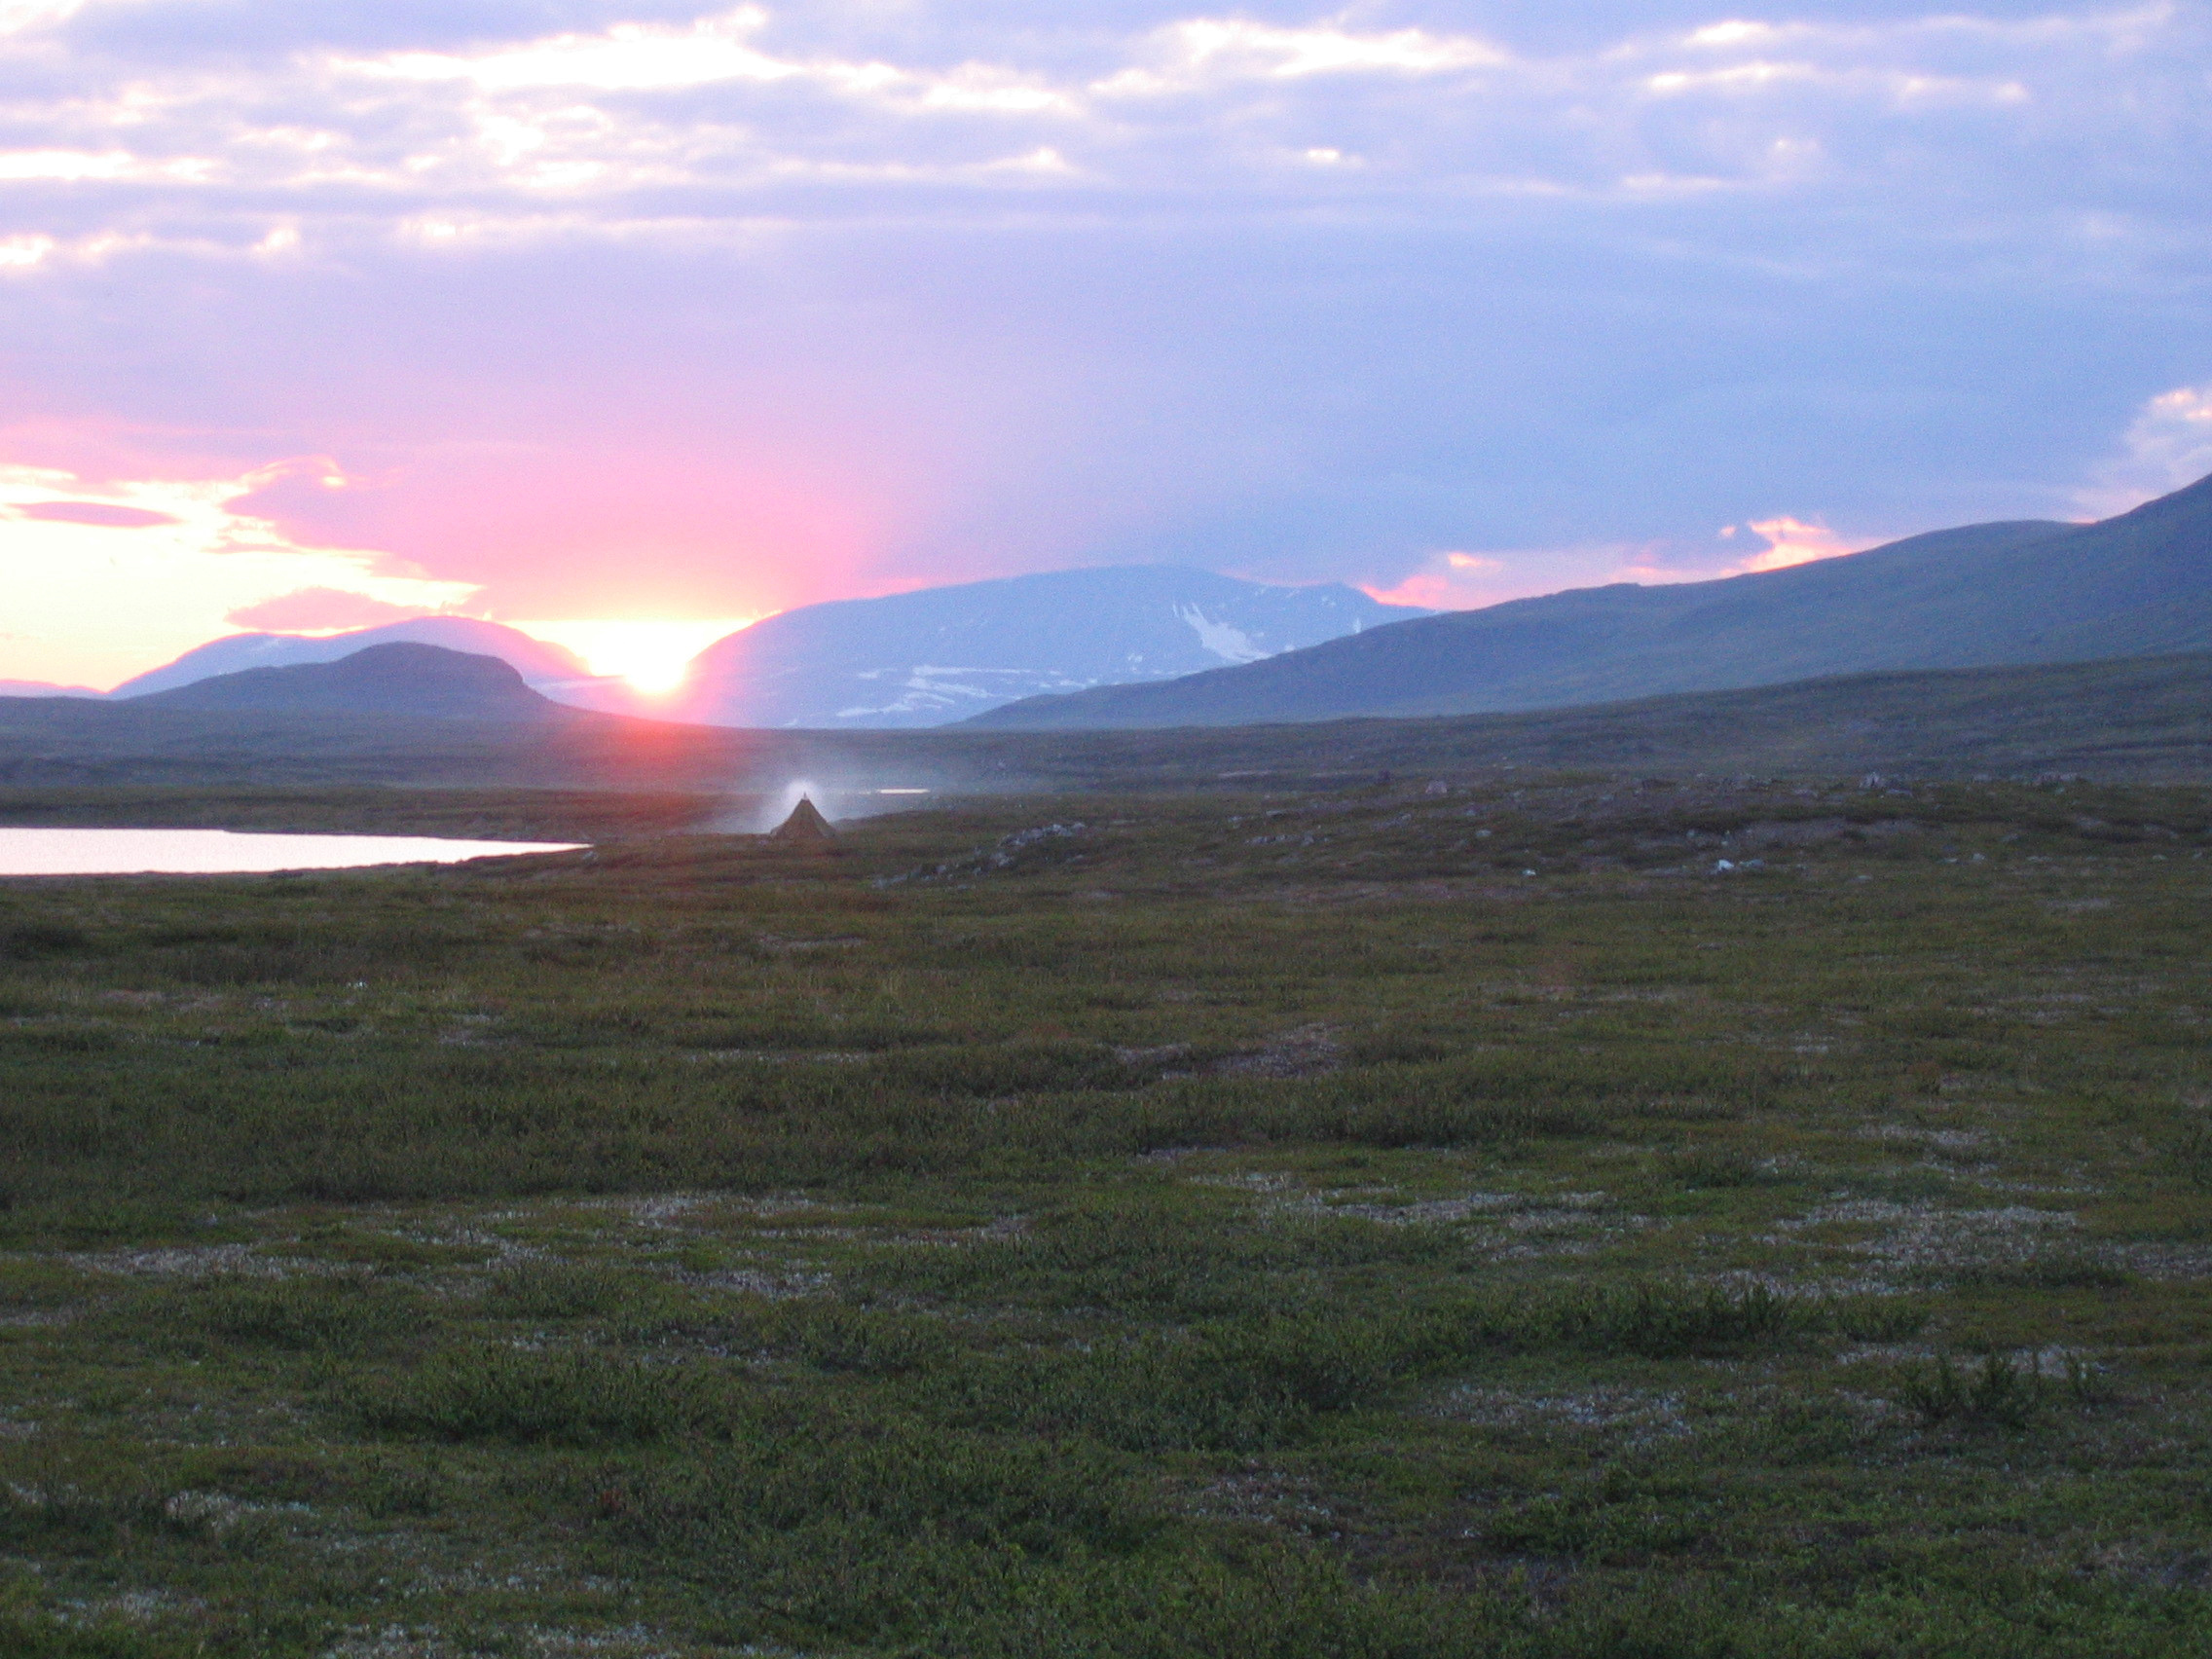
106,579
666,312
1269,828
650,655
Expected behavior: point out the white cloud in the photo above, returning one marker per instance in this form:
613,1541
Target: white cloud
24,252
746,100
1206,52
77,166
21,16
649,57
2167,445
626,57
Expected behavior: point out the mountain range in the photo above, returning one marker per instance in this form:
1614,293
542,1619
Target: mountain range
2134,719
43,689
2027,592
912,659
940,654
414,681
545,666
1148,647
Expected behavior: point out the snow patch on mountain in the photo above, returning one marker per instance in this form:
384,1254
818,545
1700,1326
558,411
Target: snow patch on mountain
944,654
1231,644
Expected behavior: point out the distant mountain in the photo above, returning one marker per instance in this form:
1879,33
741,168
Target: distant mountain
419,681
922,659
2143,719
540,664
1987,595
42,688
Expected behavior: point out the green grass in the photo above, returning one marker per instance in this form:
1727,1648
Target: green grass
1256,1226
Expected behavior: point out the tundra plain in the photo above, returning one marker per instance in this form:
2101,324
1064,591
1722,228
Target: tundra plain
1548,1216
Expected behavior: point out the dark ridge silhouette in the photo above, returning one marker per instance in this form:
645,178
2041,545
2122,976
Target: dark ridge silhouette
2136,718
1984,596
538,663
425,681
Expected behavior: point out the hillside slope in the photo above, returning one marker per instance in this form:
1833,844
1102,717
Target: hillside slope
538,663
939,654
43,689
2137,720
2135,585
422,681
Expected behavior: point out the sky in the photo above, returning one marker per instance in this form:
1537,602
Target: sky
572,313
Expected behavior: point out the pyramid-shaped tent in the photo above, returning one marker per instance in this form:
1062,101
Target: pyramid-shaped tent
805,825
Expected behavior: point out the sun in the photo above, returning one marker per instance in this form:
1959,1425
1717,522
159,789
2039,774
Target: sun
650,655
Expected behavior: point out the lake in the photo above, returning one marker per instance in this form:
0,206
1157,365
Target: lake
230,852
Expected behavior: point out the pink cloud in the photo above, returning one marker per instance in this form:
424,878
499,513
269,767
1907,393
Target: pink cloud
1788,542
1793,541
1448,581
95,513
321,609
1469,582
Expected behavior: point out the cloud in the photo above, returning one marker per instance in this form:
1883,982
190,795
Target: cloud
1464,581
1207,53
72,166
104,513
20,16
1447,582
2167,445
125,575
1794,541
1790,541
659,309
321,611
24,252
756,98
628,56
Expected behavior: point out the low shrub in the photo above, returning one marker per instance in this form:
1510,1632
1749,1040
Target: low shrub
559,1399
558,1290
1706,1169
1172,1257
1999,1392
2059,1270
1221,1387
338,1314
1663,1321
868,1342
35,941
987,1072
2189,1149
896,1537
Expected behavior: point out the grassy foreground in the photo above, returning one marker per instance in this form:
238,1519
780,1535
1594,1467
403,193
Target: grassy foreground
1379,1222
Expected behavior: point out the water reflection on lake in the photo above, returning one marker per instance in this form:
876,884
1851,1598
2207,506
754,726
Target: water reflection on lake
227,852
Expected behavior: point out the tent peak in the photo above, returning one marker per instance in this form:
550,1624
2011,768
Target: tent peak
805,823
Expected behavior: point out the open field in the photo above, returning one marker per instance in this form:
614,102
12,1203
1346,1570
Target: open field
1365,1222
